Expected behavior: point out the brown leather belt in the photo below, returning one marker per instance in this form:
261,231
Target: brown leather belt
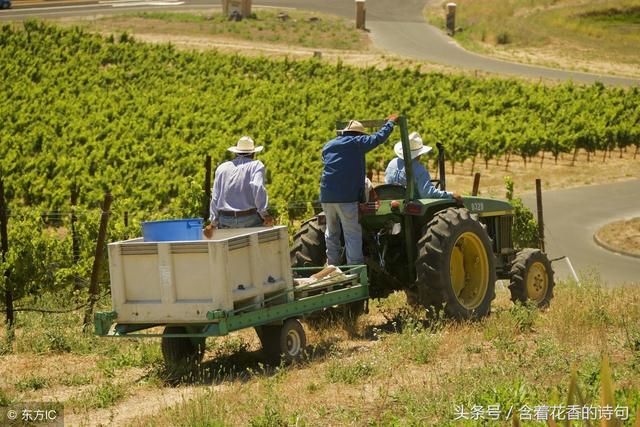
236,214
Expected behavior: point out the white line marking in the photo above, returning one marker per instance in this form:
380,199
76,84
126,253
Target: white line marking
575,276
58,7
148,3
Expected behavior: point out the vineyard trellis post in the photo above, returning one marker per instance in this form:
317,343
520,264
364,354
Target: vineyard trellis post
75,243
206,198
540,214
476,184
95,271
4,238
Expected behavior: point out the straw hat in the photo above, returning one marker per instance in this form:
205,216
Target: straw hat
245,145
354,126
416,145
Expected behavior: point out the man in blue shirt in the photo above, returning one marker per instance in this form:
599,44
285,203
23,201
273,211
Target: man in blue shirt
342,187
238,196
396,174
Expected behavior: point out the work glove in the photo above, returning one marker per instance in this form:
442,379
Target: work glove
208,231
267,221
393,117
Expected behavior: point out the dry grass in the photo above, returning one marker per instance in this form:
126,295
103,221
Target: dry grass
301,29
393,367
622,236
598,36
517,356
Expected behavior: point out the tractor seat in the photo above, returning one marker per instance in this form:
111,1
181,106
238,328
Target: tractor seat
390,191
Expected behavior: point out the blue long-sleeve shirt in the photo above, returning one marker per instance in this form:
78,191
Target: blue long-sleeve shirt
395,174
343,174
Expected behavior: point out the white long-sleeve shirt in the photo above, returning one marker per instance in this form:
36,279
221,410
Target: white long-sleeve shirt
238,185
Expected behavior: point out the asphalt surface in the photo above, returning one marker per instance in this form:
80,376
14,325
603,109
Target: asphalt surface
573,216
396,26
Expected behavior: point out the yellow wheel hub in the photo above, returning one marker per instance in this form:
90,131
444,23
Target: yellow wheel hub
469,269
537,282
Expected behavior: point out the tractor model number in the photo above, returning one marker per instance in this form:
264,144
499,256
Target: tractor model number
477,206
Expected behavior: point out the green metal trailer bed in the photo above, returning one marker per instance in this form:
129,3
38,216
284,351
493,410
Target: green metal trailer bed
275,318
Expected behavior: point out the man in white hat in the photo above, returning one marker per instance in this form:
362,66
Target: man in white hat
342,187
395,173
238,196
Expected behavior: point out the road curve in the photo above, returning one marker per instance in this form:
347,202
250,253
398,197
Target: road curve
400,28
572,217
396,26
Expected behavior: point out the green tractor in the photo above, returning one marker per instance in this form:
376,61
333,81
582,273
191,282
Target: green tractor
444,256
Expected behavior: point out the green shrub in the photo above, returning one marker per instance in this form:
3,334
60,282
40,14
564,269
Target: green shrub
525,227
32,383
349,373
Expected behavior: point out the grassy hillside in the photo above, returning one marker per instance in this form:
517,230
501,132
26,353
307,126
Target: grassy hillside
394,367
601,35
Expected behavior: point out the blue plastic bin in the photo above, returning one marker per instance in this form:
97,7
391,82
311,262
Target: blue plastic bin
172,230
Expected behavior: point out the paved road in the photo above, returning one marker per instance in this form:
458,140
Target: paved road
396,26
572,217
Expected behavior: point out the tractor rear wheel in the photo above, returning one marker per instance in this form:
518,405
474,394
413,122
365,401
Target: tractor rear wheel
532,278
455,268
310,250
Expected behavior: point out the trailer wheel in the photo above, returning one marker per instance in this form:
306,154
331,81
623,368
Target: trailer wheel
455,265
292,340
532,278
181,354
286,342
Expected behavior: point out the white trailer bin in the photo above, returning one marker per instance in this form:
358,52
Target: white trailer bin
241,278
179,282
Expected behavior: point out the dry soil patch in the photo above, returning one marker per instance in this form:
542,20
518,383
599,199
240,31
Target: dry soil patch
621,236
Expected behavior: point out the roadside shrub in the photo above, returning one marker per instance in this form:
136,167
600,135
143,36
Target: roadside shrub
525,227
503,38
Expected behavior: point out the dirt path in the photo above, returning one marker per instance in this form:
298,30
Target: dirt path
144,402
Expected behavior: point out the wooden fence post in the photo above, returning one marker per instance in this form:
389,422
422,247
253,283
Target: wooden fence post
540,215
476,184
361,15
206,198
95,271
4,239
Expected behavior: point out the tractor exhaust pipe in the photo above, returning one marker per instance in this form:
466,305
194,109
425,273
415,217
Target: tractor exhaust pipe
441,171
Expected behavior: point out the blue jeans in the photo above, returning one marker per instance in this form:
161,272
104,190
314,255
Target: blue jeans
253,220
343,217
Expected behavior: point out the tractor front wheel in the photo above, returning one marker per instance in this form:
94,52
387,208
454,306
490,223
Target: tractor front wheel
532,278
455,268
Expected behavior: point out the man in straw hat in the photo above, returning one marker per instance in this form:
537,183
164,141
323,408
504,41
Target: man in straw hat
395,173
342,186
238,196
